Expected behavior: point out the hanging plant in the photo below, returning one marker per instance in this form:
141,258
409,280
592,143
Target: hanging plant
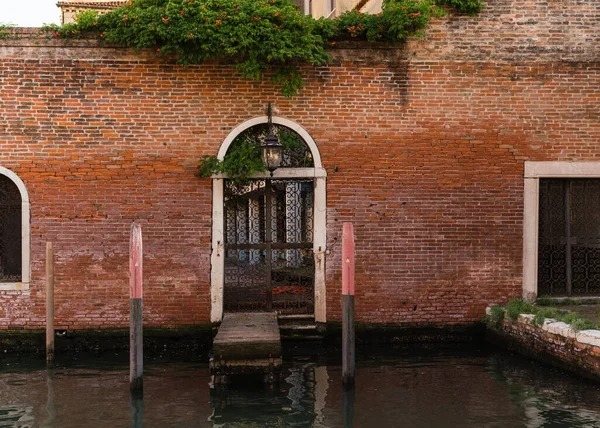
256,36
243,159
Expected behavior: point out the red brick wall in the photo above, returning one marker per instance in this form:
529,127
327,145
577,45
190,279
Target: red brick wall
424,147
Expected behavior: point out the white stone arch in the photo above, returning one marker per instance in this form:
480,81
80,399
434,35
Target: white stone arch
317,173
25,234
314,150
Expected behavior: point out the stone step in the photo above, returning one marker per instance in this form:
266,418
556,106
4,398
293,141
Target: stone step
247,336
295,320
297,326
296,317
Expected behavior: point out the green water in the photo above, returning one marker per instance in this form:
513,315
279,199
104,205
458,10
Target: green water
404,387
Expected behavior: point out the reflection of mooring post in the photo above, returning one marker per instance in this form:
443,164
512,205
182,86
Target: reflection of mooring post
50,408
348,399
137,409
348,305
49,305
136,355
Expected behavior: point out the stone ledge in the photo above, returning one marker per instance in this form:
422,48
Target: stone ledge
586,337
560,328
589,337
554,342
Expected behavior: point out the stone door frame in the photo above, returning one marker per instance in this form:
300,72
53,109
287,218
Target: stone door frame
533,172
317,173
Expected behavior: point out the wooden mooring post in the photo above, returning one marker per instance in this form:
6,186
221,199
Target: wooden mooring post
136,353
49,305
348,346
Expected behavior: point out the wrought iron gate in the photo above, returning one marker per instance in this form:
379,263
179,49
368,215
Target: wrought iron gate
269,263
10,231
569,237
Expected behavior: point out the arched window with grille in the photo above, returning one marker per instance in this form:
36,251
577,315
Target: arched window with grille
14,232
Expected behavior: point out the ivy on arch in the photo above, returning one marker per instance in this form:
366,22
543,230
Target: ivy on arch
243,157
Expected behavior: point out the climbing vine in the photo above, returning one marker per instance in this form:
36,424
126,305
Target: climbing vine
243,158
5,30
257,36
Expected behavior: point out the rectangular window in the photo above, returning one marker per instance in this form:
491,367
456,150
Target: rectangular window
569,237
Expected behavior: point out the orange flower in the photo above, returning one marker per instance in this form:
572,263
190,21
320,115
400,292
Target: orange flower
218,22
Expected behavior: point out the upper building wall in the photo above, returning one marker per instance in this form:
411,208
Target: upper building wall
70,8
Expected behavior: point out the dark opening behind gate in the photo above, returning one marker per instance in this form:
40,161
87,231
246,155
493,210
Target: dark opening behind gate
10,231
569,237
269,262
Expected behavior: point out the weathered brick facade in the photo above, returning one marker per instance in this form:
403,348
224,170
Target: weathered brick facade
424,146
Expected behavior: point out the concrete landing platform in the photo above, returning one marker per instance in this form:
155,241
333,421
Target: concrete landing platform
246,343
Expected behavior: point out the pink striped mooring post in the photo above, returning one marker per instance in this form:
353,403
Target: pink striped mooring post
136,354
49,305
348,348
348,259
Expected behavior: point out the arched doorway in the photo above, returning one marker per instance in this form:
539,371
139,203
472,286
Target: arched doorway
269,234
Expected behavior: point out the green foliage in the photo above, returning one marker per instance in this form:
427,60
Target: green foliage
547,301
398,20
518,306
257,36
5,32
243,158
542,314
497,314
85,23
242,161
582,324
470,7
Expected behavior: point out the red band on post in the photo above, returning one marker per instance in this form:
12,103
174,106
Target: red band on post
348,259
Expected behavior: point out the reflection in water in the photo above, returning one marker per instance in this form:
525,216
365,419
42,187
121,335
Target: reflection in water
348,399
247,402
321,386
49,421
137,408
399,387
548,397
16,416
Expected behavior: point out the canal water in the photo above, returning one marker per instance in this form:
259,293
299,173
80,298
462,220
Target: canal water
431,386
